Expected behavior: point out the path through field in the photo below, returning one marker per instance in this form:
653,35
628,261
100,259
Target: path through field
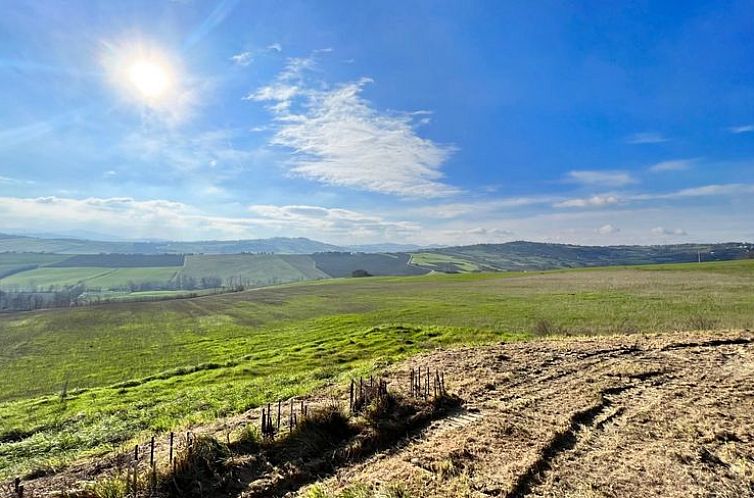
669,416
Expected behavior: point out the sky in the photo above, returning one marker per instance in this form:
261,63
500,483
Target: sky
379,121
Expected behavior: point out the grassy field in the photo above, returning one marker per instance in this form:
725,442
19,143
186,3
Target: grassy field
443,262
91,277
134,367
42,278
255,269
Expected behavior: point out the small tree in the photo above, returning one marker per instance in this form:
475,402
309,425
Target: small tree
360,273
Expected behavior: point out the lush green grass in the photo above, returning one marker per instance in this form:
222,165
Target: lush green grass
120,278
256,269
193,360
91,277
443,262
43,278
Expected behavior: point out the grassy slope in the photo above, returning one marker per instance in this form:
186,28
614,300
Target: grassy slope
120,277
92,277
259,269
42,278
231,352
443,262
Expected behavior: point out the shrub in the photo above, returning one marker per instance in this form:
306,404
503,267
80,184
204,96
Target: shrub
110,487
200,465
544,328
320,431
701,322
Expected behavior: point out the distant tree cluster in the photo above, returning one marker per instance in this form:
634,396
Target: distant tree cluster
33,300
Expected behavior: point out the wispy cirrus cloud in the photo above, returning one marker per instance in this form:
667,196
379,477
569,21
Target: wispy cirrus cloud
604,200
246,57
672,165
243,58
6,180
593,201
602,178
741,129
339,138
646,137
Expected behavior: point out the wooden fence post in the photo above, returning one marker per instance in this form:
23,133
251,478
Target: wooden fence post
290,416
172,462
279,405
136,469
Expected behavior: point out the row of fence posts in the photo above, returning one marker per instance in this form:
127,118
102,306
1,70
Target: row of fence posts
420,382
270,427
362,393
132,474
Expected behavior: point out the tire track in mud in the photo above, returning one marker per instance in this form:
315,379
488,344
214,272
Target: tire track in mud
596,416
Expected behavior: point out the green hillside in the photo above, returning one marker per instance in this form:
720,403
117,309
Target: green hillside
254,270
171,363
539,256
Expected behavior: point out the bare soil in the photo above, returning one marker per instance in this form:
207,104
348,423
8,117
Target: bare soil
669,415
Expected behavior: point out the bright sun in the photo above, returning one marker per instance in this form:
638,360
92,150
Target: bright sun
151,79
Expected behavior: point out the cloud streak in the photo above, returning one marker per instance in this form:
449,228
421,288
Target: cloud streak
646,138
673,165
600,177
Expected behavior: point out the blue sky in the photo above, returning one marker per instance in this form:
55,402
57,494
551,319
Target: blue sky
359,122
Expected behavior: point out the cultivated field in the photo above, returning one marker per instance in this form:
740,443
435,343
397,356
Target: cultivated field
83,381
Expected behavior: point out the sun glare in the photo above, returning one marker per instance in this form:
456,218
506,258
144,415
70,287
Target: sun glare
151,79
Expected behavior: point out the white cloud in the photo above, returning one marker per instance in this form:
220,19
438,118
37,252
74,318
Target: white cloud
673,165
334,222
729,189
646,138
476,235
608,229
338,138
594,201
455,209
741,129
243,59
178,221
602,178
679,232
14,181
151,218
278,92
275,47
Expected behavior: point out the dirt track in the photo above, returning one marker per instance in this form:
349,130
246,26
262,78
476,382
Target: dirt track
669,416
